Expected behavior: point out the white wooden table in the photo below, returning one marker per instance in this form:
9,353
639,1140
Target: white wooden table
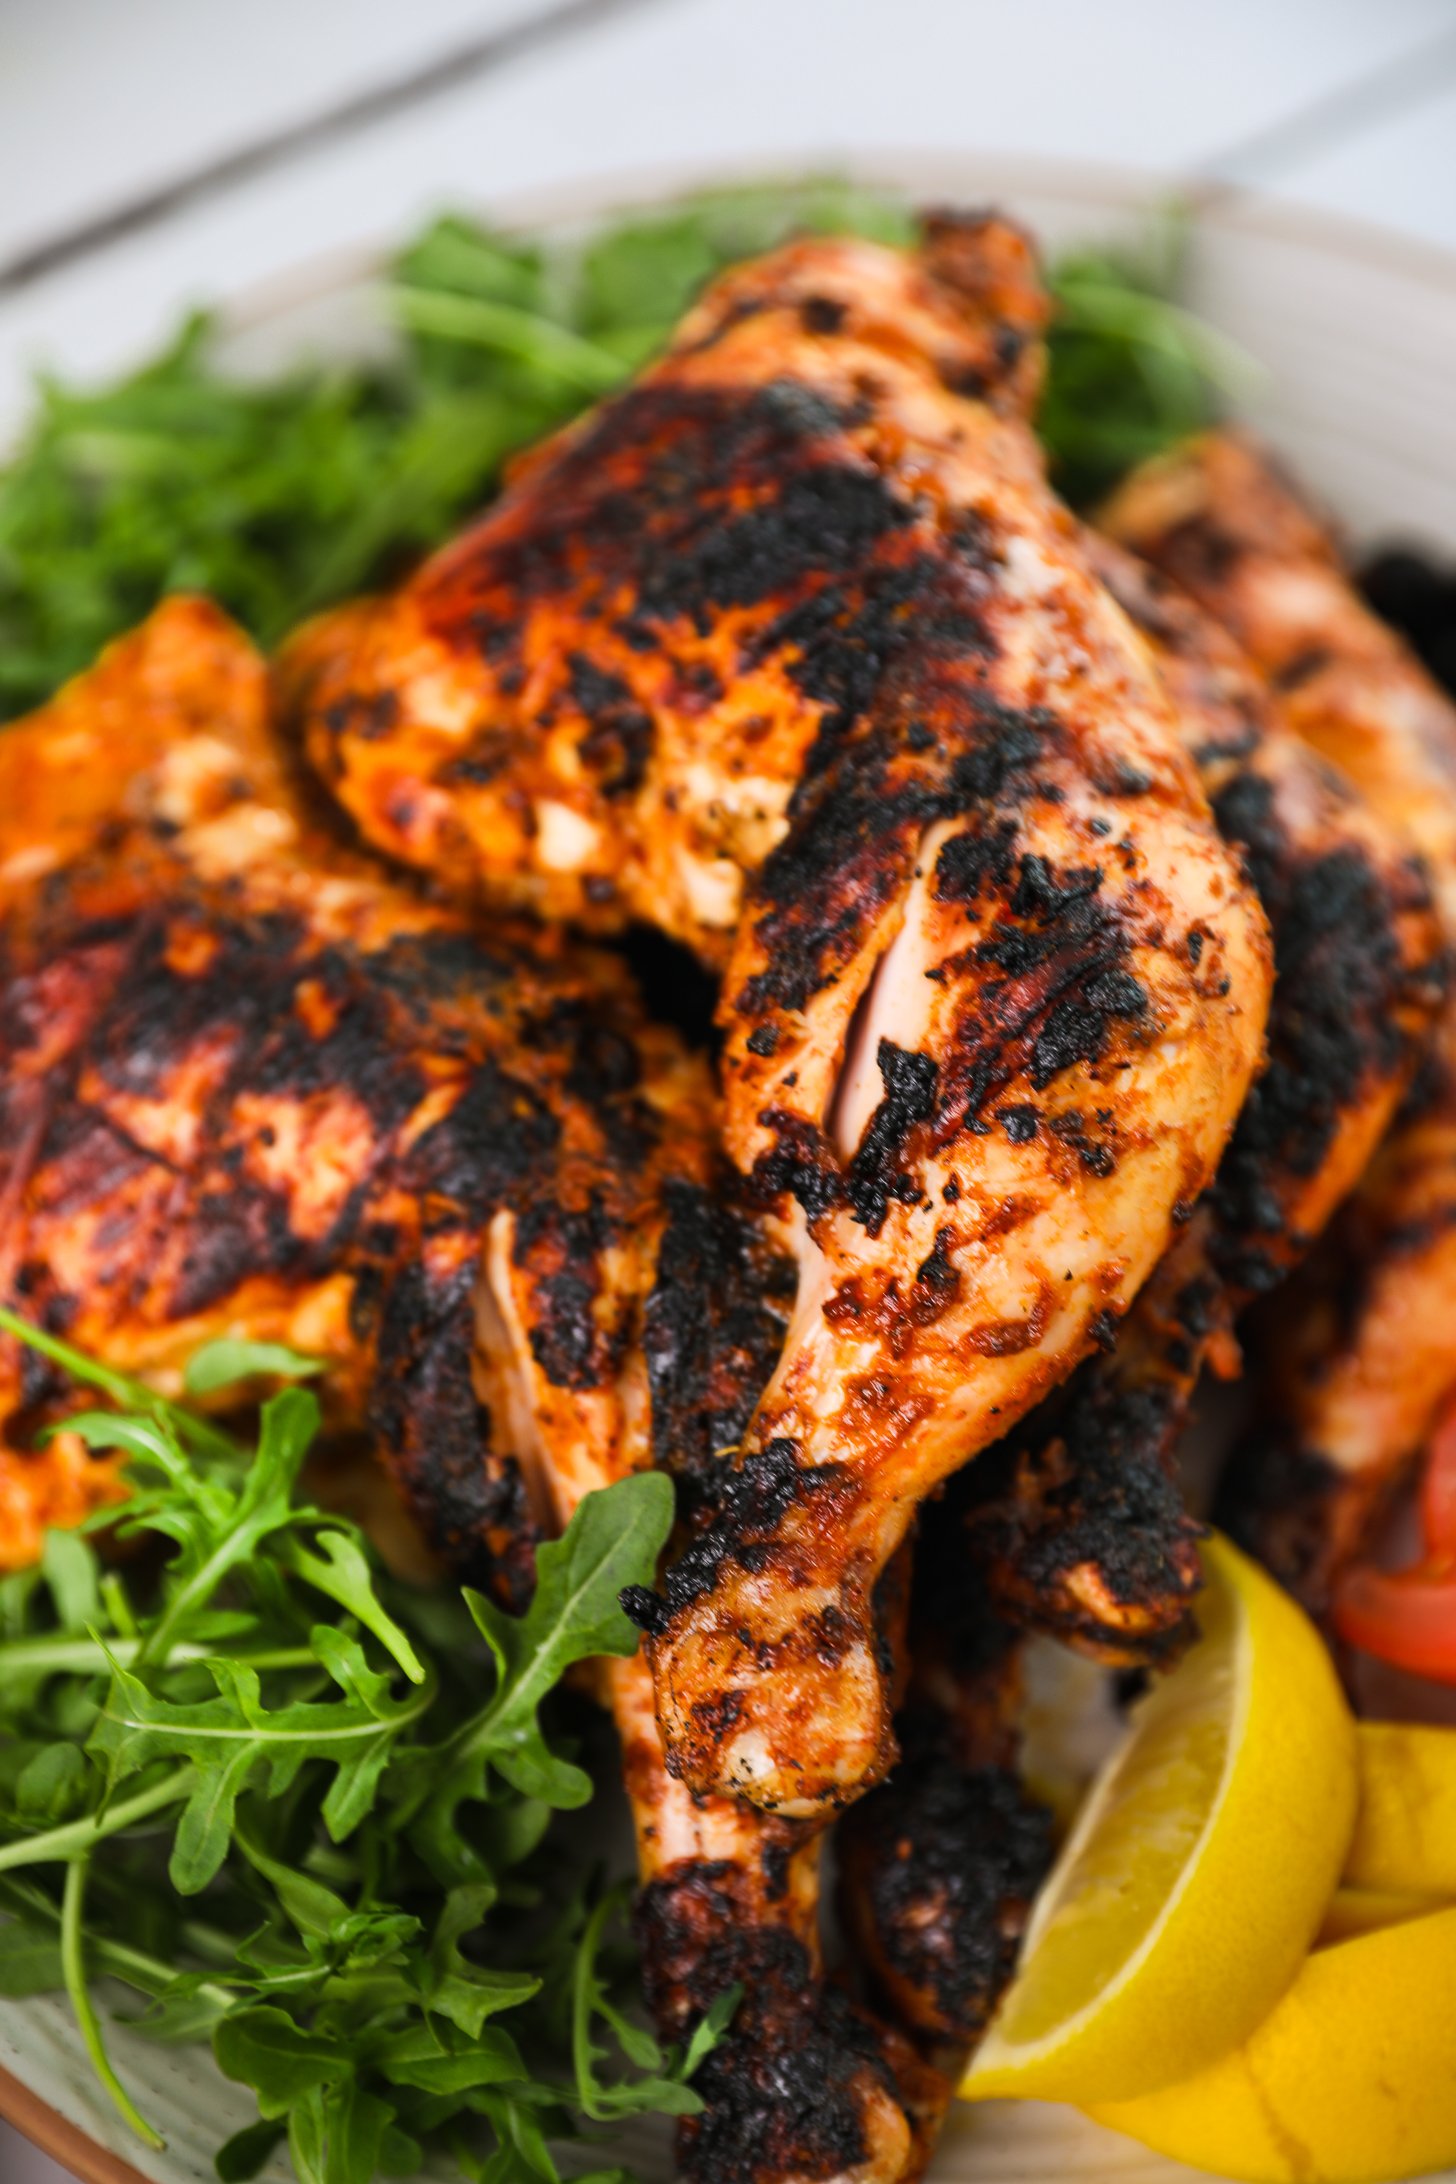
223,144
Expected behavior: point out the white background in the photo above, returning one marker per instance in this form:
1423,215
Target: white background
1346,105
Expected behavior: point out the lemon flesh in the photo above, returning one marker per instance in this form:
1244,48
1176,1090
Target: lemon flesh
1405,1827
1351,2079
1198,1873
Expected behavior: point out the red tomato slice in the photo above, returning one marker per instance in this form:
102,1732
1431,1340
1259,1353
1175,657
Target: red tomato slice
1438,1492
1406,1617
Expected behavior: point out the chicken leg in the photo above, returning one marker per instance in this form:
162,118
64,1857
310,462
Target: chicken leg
1360,1350
791,648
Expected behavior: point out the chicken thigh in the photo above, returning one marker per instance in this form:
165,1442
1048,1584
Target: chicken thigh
790,649
251,1087
1360,1350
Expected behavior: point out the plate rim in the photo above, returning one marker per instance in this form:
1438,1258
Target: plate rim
54,2134
642,186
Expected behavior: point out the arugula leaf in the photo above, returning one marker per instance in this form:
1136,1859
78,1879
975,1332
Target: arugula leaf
324,1851
336,2132
613,1541
247,2151
30,1962
223,1363
283,496
69,1567
265,2049
1128,372
337,1566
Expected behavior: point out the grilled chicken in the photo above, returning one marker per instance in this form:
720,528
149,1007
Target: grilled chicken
250,1086
1360,1351
791,650
1076,1520
939,1865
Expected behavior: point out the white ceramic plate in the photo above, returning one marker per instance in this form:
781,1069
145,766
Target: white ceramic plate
1355,332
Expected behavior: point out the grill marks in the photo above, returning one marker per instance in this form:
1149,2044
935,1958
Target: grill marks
259,1107
939,1865
1345,997
946,1861
673,508
1080,1527
739,1524
713,1327
875,1174
786,2091
1076,1523
1056,983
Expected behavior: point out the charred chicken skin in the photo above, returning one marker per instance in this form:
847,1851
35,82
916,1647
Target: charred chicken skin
939,1865
1360,1349
1076,1519
791,649
252,1087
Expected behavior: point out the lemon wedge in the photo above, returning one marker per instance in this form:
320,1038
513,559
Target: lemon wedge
1405,1828
1348,2081
1199,1869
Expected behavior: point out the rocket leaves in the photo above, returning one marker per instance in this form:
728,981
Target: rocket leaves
574,1615
280,496
307,1814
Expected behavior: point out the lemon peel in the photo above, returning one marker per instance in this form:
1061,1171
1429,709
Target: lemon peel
1196,1878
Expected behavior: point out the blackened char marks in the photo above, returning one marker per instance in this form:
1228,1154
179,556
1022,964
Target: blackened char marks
785,2093
688,501
247,1008
563,1247
976,863
799,1163
875,1174
843,641
368,715
497,1134
1058,984
1085,1483
814,521
425,1416
440,980
1079,1026
1004,745
241,1231
618,743
741,1524
905,639
271,1009
713,1327
1340,989
947,1860
826,883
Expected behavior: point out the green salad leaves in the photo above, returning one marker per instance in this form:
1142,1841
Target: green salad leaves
279,497
308,1813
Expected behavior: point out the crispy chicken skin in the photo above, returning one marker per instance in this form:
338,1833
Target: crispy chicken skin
845,705
1359,1352
939,1865
595,704
1077,1522
249,1086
